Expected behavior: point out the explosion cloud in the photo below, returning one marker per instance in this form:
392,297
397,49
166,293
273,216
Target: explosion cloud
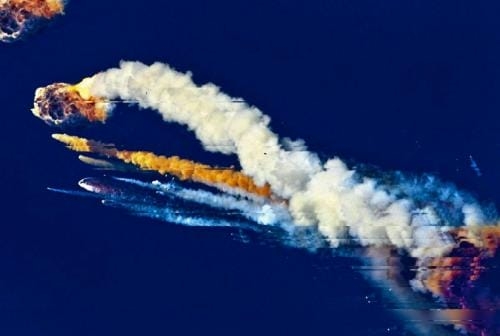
61,104
450,238
329,195
19,17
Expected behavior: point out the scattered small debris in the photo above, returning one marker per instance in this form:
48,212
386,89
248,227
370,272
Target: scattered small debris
474,166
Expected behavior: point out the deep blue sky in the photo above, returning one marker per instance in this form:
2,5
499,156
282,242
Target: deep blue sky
405,85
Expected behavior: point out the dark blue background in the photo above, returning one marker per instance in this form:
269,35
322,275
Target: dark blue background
405,85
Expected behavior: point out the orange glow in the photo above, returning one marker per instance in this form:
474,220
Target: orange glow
41,8
19,17
62,103
465,261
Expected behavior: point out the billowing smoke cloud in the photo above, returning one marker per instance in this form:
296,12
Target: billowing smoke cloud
450,240
337,200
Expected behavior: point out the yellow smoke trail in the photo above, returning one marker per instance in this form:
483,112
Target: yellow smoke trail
181,168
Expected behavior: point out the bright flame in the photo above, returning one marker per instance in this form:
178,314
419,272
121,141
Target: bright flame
17,17
62,104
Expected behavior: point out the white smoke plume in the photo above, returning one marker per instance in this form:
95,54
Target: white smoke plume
221,124
339,201
263,213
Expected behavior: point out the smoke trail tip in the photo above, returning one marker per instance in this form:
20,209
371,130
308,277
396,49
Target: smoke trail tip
71,141
97,163
71,192
59,136
84,145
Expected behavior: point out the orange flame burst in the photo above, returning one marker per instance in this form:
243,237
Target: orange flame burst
458,276
181,168
62,104
18,17
40,8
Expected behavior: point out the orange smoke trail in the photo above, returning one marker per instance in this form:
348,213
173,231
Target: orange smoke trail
181,168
